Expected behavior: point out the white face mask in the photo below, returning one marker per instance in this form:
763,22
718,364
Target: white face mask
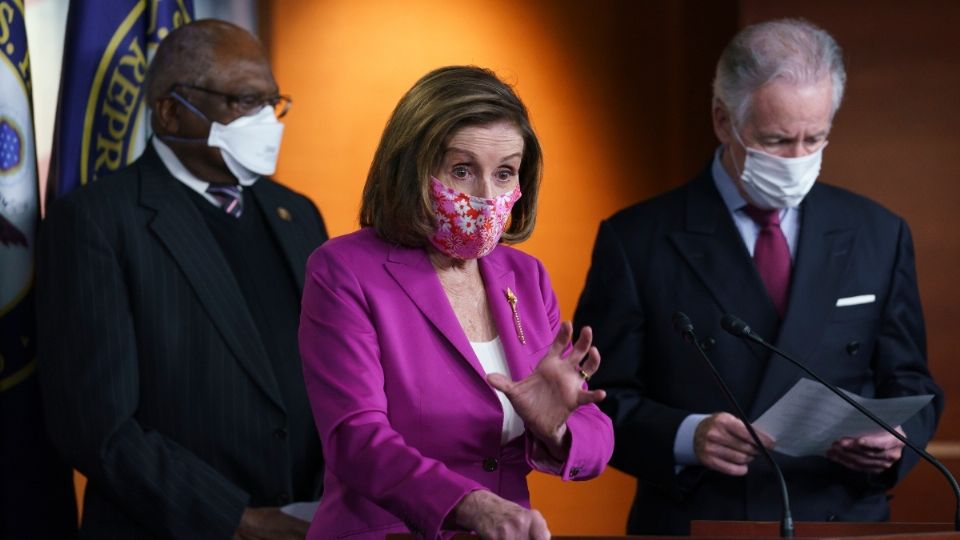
250,145
777,182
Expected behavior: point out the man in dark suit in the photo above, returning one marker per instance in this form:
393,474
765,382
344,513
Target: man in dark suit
825,274
169,305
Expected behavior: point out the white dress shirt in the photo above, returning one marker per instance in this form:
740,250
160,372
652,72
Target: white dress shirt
181,173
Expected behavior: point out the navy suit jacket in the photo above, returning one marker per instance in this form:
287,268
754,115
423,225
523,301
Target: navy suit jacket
682,252
155,378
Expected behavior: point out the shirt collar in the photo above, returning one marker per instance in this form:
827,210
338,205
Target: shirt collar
731,196
181,173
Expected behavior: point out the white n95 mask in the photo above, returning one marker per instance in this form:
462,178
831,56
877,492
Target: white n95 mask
250,145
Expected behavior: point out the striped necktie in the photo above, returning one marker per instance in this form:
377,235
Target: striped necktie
228,197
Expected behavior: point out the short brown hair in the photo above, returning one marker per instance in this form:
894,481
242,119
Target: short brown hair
396,199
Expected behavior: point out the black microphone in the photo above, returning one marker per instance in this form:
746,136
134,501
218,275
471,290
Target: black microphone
740,329
683,325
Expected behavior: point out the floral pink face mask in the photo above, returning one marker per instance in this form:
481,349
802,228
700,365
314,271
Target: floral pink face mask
467,227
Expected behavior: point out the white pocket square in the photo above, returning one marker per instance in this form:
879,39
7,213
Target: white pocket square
856,300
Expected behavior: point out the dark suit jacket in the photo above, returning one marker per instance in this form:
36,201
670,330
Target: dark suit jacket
156,383
682,252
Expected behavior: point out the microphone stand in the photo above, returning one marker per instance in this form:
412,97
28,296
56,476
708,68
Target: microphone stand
740,329
682,323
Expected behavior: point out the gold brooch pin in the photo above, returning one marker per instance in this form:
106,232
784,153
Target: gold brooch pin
283,213
512,298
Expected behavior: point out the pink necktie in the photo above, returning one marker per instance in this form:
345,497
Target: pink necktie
772,255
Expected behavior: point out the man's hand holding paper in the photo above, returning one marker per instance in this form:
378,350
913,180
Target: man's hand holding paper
809,420
870,453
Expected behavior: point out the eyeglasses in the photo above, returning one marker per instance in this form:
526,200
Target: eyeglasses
245,104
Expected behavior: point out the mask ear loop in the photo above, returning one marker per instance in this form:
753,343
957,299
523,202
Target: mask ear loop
736,135
190,107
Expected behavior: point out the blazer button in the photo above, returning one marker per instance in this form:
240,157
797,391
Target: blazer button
280,433
831,517
853,348
490,464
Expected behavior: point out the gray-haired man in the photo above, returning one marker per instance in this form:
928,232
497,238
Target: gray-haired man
823,273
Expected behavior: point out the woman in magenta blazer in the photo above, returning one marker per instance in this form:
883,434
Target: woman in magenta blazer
437,366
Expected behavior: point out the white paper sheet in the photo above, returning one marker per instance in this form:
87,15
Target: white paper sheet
301,510
809,418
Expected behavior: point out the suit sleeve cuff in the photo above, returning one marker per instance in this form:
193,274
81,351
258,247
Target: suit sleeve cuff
591,445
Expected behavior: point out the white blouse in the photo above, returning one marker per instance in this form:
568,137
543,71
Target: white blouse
494,360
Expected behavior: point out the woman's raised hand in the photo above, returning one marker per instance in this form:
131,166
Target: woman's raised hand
545,399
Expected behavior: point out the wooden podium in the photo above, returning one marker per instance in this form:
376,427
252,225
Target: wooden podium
815,529
770,530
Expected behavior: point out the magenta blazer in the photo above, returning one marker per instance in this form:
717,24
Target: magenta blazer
408,422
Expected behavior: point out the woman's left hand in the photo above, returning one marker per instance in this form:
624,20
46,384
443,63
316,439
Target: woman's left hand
545,399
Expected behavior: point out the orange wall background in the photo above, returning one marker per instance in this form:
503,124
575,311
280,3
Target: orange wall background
619,94
347,64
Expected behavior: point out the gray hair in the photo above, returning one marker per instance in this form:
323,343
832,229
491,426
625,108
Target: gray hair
791,50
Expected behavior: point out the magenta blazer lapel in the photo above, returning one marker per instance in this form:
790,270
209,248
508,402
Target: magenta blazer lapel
497,278
416,276
412,270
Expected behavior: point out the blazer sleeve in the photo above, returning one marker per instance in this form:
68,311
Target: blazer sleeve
88,370
591,431
345,383
610,304
900,355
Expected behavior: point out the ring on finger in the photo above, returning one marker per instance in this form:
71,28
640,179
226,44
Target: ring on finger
584,375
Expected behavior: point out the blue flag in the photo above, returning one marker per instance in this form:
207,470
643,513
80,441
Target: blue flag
36,491
101,121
